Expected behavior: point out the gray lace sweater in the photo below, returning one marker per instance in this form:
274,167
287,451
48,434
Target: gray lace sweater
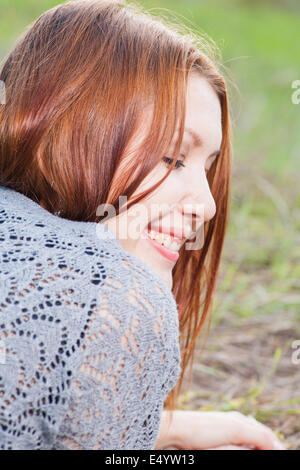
89,335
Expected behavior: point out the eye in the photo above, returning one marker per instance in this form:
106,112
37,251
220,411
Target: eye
170,160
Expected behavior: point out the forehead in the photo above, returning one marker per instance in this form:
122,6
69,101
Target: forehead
203,110
203,116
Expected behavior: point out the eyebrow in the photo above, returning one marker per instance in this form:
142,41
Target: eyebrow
198,141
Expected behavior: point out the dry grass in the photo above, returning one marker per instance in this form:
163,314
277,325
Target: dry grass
248,368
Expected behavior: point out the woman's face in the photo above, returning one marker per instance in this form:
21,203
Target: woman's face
183,201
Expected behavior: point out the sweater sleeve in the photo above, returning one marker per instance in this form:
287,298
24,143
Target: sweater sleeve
128,368
87,378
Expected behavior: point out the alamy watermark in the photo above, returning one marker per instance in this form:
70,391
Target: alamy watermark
2,92
296,94
296,354
132,221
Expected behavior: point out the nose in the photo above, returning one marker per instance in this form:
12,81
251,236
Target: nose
198,204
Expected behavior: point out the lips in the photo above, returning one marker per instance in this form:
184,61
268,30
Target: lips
164,251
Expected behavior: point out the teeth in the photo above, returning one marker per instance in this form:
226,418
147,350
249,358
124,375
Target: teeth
165,240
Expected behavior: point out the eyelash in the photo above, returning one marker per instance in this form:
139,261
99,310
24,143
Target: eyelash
170,160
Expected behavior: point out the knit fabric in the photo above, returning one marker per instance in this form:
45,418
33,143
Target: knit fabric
89,335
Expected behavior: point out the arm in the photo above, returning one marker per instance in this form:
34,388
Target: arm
167,435
211,429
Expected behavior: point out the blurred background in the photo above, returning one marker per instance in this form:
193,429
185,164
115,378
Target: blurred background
249,363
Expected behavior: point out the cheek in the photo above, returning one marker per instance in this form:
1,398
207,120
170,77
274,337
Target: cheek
174,187
169,191
162,199
172,190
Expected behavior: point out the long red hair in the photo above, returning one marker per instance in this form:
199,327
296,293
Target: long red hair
77,83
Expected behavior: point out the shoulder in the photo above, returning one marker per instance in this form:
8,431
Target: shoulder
69,293
72,249
55,271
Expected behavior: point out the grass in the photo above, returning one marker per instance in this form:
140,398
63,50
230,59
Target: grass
260,272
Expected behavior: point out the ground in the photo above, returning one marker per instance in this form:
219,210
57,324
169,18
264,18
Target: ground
248,368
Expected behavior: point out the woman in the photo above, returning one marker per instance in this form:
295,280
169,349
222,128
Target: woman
105,103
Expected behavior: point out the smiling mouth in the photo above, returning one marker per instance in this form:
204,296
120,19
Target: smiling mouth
178,234
168,249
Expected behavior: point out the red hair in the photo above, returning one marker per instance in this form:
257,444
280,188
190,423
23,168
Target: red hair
77,83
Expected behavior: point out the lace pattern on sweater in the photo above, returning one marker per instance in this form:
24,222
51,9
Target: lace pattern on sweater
89,333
